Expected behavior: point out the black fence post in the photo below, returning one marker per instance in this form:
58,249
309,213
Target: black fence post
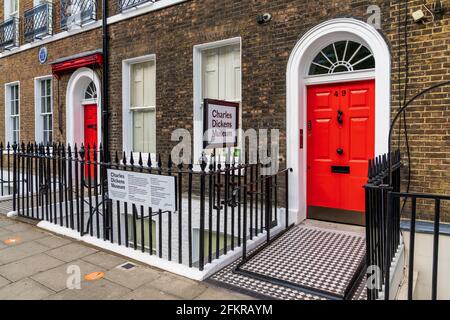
82,184
15,195
202,215
268,193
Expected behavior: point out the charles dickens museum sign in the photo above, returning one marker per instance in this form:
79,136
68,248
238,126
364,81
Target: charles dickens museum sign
142,189
220,123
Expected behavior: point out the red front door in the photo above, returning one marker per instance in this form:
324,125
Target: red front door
90,133
341,140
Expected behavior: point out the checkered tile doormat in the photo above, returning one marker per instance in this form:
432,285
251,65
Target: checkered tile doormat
320,259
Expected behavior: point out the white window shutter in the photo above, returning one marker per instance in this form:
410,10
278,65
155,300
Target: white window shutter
143,92
211,74
137,78
138,131
149,78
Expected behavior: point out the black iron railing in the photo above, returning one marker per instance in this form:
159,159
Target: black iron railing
128,4
38,22
219,207
9,34
380,252
77,12
6,170
437,201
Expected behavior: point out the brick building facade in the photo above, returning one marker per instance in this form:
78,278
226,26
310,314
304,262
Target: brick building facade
172,32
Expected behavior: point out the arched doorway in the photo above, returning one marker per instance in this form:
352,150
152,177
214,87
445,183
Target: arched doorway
318,65
83,116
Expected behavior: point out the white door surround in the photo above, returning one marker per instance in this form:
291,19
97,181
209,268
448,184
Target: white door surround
296,84
76,89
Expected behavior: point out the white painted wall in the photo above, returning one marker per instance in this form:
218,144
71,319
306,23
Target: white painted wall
423,260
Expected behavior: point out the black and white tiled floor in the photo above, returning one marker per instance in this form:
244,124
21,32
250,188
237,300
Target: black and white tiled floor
317,258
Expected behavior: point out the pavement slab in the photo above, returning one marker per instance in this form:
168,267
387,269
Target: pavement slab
133,278
221,294
147,292
178,286
25,289
25,236
17,227
71,251
105,260
96,290
3,282
20,251
18,270
56,278
53,242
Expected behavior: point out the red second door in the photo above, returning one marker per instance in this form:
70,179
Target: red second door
341,140
90,133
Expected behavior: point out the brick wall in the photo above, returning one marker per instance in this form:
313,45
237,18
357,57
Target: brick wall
172,32
428,119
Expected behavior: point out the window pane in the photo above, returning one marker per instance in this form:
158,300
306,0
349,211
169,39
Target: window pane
43,102
342,56
42,88
144,131
221,76
49,87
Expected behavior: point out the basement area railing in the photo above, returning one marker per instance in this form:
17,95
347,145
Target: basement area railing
380,251
384,210
77,12
9,34
38,21
218,208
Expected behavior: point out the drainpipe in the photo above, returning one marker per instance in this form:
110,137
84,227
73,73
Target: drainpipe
105,116
105,79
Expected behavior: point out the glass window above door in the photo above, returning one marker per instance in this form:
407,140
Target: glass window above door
342,56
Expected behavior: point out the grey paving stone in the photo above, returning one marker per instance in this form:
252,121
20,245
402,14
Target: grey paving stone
70,252
4,232
26,289
56,278
3,282
6,222
53,241
178,286
104,260
213,293
96,290
20,251
25,236
132,278
148,292
17,227
29,266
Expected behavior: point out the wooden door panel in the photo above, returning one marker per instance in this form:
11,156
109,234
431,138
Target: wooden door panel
355,135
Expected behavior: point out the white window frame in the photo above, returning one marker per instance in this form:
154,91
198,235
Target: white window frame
8,13
198,91
8,134
38,123
127,113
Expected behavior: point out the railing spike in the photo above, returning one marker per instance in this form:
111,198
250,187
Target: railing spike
149,160
140,162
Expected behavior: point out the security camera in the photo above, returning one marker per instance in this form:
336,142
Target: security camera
418,16
264,18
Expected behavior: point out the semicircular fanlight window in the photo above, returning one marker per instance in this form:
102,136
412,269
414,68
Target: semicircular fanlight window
342,56
91,92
